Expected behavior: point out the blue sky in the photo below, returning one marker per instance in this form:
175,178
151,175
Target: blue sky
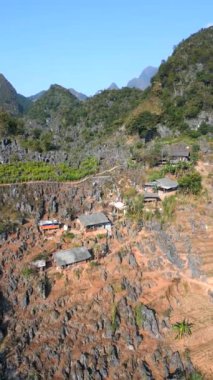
87,44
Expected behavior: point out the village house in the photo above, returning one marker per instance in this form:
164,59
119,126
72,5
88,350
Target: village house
151,197
48,225
88,222
65,258
164,184
174,154
179,154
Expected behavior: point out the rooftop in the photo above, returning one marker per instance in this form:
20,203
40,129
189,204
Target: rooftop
167,183
179,151
71,256
150,195
48,222
93,219
176,150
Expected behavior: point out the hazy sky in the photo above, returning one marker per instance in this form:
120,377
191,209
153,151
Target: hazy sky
87,44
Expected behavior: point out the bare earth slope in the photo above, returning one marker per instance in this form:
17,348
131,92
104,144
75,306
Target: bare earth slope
110,318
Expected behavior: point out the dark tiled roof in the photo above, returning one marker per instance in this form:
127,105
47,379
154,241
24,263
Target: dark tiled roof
179,151
93,219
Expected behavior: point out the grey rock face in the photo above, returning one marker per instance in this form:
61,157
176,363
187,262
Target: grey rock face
149,321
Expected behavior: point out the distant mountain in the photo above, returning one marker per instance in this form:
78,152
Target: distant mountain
54,103
37,96
113,86
144,80
10,100
78,95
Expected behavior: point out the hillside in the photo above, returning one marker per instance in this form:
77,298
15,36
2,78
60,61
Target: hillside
181,91
10,101
112,317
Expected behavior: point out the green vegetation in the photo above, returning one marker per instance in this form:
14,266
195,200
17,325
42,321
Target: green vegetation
191,183
180,91
197,375
144,124
7,226
135,207
67,236
114,321
94,264
182,329
110,108
40,171
41,256
39,142
175,169
138,315
56,101
169,205
28,272
186,80
10,126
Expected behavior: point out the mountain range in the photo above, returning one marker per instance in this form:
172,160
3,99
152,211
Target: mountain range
16,104
178,99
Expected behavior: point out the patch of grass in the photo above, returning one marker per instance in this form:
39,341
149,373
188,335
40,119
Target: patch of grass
138,315
94,264
101,236
196,375
117,287
68,236
114,323
41,256
169,206
28,272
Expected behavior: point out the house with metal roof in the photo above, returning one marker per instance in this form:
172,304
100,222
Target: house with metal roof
166,184
94,221
64,258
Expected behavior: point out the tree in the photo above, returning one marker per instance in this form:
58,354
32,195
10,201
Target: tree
191,183
182,328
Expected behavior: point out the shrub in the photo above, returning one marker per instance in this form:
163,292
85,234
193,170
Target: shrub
27,272
182,328
191,183
135,207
